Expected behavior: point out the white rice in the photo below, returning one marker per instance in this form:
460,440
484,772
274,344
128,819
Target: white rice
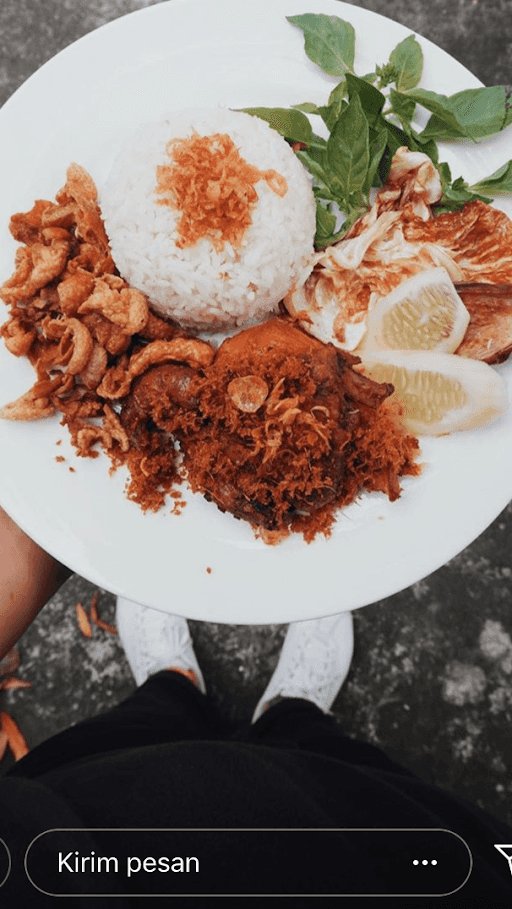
198,286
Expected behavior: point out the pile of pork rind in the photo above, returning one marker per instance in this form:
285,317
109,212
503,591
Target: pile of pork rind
86,332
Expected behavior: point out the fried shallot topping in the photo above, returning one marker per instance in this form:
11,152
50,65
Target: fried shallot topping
248,392
213,187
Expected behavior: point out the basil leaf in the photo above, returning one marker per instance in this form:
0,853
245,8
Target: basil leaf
437,130
385,75
396,137
325,227
328,41
498,182
315,161
331,112
348,151
372,100
481,110
325,195
457,194
339,92
292,124
402,106
307,108
325,222
445,174
473,113
459,191
407,60
378,145
323,242
428,147
440,106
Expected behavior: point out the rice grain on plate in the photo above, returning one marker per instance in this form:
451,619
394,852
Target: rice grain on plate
210,214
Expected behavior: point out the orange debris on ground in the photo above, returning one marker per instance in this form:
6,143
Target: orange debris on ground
88,617
213,187
8,666
95,618
13,682
84,622
12,736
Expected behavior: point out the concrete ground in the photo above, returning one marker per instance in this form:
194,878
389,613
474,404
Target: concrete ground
431,679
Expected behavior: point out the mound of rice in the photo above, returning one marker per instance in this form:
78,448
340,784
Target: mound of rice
211,285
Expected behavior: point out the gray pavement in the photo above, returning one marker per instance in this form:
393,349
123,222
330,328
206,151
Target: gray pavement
431,679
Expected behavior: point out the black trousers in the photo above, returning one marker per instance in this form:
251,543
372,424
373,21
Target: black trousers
169,708
164,759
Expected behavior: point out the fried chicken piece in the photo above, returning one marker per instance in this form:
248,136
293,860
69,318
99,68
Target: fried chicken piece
279,430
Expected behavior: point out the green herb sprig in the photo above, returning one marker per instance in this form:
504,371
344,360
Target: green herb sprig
369,117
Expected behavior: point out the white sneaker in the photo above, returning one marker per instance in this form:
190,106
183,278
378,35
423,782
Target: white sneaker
314,662
154,640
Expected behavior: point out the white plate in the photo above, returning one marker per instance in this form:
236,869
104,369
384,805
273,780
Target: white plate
205,565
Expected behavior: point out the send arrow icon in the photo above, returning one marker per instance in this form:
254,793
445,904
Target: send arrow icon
506,851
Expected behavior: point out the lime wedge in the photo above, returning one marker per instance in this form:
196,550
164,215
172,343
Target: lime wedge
423,313
439,392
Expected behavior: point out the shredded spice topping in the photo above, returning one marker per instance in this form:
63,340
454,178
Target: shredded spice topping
213,187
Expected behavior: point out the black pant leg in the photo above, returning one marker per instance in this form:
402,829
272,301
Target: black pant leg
166,708
298,723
